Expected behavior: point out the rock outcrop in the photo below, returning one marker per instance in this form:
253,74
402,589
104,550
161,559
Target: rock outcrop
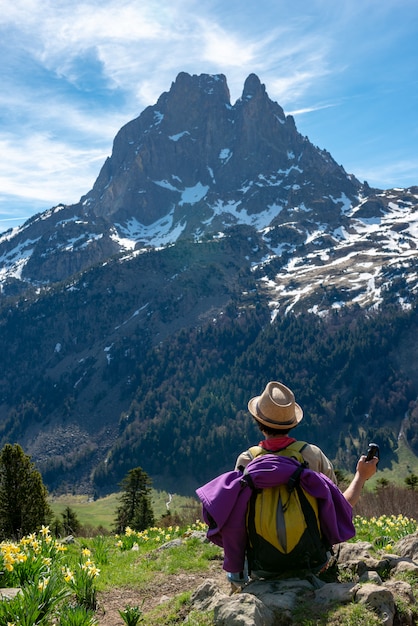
381,581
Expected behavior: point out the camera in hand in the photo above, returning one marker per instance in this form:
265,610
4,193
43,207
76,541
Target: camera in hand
373,450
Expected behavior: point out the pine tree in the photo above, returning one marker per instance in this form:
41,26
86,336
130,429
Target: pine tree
135,510
24,504
70,522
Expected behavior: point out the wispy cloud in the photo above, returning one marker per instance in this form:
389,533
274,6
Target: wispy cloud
93,66
388,174
47,169
311,109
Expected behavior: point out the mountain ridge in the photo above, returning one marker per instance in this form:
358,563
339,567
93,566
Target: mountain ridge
186,171
212,233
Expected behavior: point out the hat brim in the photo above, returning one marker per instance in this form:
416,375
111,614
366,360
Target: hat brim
252,407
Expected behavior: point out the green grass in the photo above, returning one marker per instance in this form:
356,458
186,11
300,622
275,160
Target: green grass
102,512
147,560
52,575
349,615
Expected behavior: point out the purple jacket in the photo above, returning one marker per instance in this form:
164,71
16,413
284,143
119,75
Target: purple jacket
225,500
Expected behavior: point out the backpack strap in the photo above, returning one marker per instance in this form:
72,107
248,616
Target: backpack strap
294,480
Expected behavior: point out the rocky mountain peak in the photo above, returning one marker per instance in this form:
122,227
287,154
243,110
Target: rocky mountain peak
253,87
202,85
192,166
192,155
190,97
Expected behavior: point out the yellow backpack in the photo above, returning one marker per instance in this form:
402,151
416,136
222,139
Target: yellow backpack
283,527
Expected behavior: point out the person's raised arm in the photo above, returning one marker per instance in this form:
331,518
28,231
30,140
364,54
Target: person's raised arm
364,471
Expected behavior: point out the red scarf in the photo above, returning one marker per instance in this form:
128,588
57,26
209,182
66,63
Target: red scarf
276,443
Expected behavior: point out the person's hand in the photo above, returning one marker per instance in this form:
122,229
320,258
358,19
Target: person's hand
366,469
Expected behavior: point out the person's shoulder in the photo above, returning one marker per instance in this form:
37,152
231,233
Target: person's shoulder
313,448
318,461
316,458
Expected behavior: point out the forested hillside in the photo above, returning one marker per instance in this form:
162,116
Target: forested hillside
192,420
151,362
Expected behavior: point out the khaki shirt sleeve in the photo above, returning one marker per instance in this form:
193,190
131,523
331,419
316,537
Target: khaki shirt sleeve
318,462
243,459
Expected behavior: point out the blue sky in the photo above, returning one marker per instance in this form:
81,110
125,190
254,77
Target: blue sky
72,73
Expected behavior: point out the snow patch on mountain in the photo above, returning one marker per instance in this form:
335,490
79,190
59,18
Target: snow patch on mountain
16,270
178,135
194,194
360,265
158,234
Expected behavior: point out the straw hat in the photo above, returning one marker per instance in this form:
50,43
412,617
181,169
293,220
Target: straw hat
276,407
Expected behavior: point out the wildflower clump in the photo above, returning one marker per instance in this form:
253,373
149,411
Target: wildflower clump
30,559
153,537
131,615
39,565
33,565
384,531
82,581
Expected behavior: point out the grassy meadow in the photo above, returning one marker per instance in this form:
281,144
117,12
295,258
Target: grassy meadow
101,513
406,464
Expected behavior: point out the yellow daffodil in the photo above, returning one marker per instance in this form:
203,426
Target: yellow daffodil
60,547
42,584
93,571
68,575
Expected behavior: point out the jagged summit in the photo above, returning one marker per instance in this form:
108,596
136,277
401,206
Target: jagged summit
193,166
253,87
192,148
214,85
